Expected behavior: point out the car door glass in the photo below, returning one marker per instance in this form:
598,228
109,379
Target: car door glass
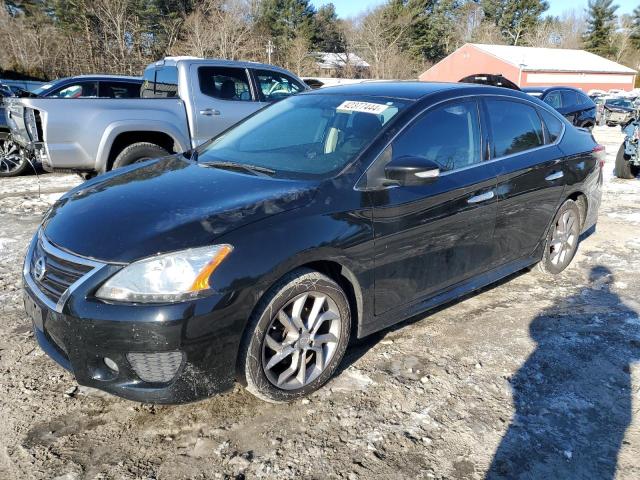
553,99
516,127
231,84
552,124
76,90
569,98
448,135
273,86
119,90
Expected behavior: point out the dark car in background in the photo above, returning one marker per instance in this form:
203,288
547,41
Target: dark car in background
328,214
90,86
494,80
572,103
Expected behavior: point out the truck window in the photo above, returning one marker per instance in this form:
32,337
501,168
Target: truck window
225,83
119,90
160,82
76,90
274,85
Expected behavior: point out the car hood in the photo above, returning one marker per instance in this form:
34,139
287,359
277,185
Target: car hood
165,205
618,109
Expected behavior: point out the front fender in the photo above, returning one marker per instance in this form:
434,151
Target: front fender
116,128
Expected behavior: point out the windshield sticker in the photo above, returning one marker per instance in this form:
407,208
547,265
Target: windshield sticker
363,107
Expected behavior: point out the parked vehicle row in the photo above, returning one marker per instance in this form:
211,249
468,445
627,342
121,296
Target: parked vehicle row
628,158
182,103
330,214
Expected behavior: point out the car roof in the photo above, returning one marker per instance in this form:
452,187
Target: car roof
411,90
550,88
218,62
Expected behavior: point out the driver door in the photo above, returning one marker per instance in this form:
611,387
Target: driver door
432,236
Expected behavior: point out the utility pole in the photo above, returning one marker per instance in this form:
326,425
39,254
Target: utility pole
270,48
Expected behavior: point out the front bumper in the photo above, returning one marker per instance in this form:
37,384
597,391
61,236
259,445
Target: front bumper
172,353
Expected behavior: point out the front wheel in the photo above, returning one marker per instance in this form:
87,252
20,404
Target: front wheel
623,167
296,338
12,160
562,240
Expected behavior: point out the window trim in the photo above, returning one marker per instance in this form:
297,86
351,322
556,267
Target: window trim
480,97
247,72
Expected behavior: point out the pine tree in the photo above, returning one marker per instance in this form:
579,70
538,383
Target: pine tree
600,27
635,36
514,18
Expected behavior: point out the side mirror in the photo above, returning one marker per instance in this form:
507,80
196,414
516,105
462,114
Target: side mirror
410,171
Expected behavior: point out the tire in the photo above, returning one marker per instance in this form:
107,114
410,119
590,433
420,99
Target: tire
268,341
623,167
562,239
138,152
12,159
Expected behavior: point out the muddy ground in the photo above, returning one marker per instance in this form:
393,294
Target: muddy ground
537,377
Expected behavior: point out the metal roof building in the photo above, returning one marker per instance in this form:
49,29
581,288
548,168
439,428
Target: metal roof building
531,67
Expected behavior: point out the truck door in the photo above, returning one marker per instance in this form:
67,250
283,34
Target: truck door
221,97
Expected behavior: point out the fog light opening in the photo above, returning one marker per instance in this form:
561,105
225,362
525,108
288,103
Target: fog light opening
111,365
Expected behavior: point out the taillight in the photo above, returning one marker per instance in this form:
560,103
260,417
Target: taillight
601,154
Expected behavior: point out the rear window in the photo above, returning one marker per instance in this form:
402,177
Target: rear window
552,124
516,127
225,83
160,82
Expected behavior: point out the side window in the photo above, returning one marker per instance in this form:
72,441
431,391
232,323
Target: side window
584,100
274,85
448,135
119,90
516,127
552,124
160,82
553,99
76,90
569,98
225,83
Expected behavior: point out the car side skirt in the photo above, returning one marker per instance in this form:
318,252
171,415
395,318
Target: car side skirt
452,293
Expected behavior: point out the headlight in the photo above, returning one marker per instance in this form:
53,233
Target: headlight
166,278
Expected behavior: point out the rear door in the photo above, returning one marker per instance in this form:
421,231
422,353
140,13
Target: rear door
222,96
432,236
531,174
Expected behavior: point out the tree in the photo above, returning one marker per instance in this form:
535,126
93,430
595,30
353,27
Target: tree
327,36
600,27
635,34
514,18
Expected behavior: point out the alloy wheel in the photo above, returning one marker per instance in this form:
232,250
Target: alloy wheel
565,238
11,158
301,340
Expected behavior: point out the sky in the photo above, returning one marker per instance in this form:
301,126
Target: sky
350,8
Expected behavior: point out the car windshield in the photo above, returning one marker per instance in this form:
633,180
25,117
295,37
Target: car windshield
620,102
304,136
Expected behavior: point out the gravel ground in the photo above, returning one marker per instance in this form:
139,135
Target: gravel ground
537,377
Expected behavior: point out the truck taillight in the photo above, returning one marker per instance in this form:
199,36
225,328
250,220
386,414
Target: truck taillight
33,123
601,154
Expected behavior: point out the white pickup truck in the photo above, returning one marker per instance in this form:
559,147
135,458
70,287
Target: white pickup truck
184,102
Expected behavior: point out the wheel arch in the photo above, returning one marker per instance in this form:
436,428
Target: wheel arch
583,205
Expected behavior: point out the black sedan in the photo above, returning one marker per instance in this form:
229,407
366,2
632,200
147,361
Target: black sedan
329,215
576,107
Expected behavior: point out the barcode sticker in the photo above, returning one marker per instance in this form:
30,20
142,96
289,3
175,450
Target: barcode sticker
363,107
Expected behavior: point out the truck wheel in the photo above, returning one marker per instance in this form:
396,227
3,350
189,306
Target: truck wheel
12,160
138,152
295,338
623,167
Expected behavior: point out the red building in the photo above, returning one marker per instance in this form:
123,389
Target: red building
530,67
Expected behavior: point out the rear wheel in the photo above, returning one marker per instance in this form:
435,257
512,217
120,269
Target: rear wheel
296,338
623,168
138,152
12,160
562,240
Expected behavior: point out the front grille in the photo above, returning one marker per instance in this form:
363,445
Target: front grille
158,367
59,273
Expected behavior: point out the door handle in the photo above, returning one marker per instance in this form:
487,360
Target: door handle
554,176
483,197
209,112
